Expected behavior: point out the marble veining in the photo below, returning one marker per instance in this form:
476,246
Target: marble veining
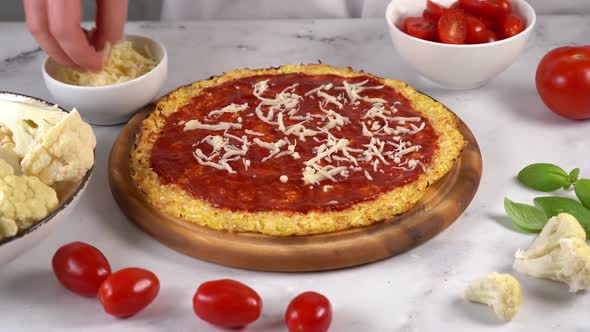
417,291
21,58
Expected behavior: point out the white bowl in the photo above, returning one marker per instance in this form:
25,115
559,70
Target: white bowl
456,66
116,103
12,247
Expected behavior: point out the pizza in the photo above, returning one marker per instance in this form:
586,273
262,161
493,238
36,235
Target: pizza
294,150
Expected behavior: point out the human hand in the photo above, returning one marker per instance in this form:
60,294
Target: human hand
55,24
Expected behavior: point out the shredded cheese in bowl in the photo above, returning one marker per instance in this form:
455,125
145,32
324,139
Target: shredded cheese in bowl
125,63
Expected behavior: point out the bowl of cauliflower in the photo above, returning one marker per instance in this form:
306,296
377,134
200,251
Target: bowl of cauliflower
46,161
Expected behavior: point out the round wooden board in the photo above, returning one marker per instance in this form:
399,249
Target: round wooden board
441,205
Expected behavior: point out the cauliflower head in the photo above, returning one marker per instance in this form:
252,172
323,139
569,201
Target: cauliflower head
562,226
7,149
53,145
500,291
569,263
65,152
24,200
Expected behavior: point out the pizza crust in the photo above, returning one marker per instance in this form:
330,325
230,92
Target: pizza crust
174,201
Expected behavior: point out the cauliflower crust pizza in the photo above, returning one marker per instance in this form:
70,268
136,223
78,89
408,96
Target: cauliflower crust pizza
295,150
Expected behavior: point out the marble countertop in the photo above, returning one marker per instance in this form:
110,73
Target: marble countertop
420,290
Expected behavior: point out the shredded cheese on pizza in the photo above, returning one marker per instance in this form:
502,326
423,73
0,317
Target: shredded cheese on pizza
334,159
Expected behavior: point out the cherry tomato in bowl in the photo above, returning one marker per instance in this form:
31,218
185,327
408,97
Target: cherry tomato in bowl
487,8
476,30
128,291
433,10
509,26
227,303
452,27
420,27
309,312
563,81
80,267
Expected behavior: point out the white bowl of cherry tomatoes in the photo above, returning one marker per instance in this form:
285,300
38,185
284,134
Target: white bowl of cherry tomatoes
460,44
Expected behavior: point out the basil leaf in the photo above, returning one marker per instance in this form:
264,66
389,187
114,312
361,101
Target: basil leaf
572,178
543,177
525,217
556,205
582,188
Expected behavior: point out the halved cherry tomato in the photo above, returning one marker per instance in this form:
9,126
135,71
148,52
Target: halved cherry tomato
227,303
563,82
452,27
490,24
309,312
490,36
510,25
433,10
475,30
420,27
127,292
80,267
487,8
456,5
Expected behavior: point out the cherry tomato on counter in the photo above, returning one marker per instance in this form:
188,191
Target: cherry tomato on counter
227,303
128,291
309,312
420,27
563,81
487,8
510,25
80,267
452,27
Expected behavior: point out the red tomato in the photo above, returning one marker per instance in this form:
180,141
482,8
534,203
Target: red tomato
227,303
452,27
456,5
510,25
476,30
433,10
490,36
309,312
128,291
80,267
487,8
563,81
486,21
420,27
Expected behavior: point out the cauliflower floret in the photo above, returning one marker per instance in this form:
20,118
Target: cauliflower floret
53,145
569,263
562,226
7,146
65,152
27,121
8,227
24,200
500,291
559,253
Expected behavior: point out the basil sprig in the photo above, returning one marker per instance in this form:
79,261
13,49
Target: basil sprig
547,177
582,188
525,217
553,205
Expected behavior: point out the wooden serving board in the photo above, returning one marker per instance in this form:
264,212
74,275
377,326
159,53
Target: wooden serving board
441,205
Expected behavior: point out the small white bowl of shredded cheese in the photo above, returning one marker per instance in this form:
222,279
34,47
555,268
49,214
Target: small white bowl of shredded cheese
134,72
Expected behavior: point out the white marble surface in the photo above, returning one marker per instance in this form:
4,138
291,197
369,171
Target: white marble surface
417,291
